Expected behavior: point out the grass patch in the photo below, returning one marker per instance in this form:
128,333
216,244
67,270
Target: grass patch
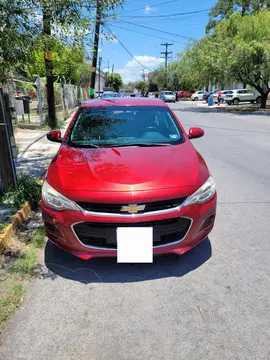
12,290
2,226
11,301
24,267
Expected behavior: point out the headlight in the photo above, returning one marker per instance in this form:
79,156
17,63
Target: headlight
56,200
205,193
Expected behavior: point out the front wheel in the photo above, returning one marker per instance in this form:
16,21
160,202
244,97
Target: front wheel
259,100
195,99
235,101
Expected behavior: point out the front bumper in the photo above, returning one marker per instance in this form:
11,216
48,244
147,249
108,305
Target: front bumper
60,226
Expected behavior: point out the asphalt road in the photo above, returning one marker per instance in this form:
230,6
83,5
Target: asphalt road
212,303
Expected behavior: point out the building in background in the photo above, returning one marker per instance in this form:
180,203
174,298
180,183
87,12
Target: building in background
102,83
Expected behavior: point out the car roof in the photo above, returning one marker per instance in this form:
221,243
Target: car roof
137,101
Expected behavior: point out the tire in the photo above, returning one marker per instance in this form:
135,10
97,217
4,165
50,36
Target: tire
235,101
259,100
195,99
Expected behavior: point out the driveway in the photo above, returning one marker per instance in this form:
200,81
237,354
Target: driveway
212,303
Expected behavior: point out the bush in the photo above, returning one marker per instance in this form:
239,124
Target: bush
28,189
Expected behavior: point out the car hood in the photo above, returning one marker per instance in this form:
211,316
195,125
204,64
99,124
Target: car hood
127,169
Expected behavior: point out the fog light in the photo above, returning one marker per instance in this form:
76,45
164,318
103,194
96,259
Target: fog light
208,222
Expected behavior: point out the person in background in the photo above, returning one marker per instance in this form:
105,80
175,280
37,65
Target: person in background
219,96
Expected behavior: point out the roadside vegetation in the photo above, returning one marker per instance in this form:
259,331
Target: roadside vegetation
16,267
235,50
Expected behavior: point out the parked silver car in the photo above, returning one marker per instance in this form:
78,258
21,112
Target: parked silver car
168,96
243,95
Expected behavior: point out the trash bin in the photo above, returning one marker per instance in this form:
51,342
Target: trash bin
210,100
26,104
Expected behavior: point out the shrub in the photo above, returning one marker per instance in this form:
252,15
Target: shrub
28,189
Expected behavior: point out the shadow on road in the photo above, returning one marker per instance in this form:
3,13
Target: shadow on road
107,270
224,110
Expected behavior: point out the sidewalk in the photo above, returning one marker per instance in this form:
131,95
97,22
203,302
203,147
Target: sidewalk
35,151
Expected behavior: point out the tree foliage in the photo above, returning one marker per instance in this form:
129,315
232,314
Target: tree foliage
114,80
238,50
226,8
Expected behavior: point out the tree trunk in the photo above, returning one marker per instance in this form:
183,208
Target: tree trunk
264,100
49,69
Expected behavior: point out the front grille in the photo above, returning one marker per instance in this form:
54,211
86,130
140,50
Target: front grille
104,234
116,208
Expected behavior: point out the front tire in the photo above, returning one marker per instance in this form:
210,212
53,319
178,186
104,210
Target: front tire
235,101
259,100
195,99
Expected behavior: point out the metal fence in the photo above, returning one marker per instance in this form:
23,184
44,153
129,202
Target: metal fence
29,100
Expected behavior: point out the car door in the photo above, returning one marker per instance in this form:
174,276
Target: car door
250,95
245,95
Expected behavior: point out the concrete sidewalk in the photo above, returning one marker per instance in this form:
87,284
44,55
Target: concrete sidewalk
35,151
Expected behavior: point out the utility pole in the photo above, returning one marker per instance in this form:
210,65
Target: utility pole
99,65
166,54
112,75
95,50
143,74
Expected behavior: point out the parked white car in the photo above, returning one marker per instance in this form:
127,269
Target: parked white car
243,95
198,95
224,93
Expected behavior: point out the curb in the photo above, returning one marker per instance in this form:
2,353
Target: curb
9,232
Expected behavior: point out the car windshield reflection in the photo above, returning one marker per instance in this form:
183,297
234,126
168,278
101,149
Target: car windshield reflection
125,126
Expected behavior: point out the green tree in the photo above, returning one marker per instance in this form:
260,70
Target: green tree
238,50
225,8
114,80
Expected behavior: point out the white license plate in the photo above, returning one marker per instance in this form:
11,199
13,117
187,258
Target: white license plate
134,244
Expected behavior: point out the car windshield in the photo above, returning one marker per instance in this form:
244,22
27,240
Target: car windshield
125,125
110,95
168,92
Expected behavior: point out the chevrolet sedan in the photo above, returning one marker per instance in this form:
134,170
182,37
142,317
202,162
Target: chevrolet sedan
127,162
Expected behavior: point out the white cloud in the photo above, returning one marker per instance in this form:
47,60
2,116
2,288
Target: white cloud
148,9
132,70
99,50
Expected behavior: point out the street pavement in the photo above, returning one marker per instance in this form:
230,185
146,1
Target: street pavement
212,303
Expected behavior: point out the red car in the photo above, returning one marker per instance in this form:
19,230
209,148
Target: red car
184,94
127,162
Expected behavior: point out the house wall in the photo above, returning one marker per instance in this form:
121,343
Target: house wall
102,82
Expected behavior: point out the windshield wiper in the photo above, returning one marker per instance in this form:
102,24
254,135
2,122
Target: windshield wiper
141,144
84,146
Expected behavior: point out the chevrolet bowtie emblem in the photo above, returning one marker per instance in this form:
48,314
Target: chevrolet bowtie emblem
133,208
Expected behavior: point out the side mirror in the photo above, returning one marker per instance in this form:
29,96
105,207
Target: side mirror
55,136
195,133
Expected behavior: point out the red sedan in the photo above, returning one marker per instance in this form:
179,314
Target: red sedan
127,162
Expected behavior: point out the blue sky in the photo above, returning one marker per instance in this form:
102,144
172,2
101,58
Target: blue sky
147,49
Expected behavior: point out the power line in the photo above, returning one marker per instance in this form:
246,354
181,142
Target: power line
154,36
169,15
156,5
163,31
128,50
